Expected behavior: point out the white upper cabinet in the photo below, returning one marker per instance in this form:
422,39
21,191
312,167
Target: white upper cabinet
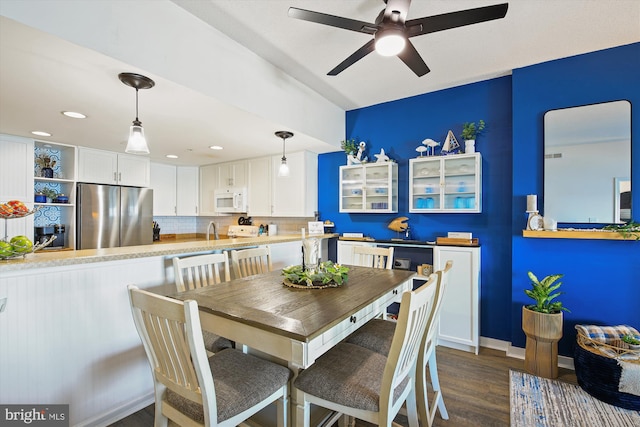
107,167
446,184
259,198
187,191
232,174
163,183
208,185
369,187
297,194
175,190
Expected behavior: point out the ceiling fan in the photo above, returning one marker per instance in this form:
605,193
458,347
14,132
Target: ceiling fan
391,31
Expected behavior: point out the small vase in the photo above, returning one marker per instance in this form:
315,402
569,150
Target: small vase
46,173
470,146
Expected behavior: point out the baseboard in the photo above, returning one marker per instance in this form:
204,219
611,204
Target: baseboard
118,413
518,352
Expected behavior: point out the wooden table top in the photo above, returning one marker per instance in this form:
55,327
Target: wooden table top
264,302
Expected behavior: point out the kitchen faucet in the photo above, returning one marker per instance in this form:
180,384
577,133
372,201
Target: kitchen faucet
215,231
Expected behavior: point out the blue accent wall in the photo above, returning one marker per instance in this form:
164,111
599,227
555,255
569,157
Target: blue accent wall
399,127
602,278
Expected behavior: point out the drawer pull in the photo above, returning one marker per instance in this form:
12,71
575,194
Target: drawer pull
353,319
395,292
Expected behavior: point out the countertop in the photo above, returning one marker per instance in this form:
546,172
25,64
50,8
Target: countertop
43,259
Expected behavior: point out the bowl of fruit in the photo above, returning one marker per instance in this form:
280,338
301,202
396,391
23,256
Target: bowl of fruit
18,246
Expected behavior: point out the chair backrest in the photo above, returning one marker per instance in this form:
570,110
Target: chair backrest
248,262
371,256
172,338
443,281
415,312
200,271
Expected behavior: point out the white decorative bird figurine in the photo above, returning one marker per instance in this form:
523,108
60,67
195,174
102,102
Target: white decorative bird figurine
381,158
431,145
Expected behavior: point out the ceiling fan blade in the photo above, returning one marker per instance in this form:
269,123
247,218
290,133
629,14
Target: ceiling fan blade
353,58
445,21
333,21
397,10
412,58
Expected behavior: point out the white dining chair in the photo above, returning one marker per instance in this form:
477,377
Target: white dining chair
249,262
377,335
199,271
192,390
358,382
371,256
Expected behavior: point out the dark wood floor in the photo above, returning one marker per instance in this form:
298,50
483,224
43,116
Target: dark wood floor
475,389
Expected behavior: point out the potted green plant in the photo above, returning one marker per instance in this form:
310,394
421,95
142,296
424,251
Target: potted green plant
632,342
630,230
349,146
470,131
542,324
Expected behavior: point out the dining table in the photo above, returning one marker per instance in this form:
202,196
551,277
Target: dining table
296,325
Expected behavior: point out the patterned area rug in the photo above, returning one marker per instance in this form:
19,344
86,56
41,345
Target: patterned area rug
540,402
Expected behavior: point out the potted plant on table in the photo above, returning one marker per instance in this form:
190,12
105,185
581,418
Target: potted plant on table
470,131
542,324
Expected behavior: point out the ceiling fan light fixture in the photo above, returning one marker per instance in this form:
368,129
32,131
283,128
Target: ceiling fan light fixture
390,42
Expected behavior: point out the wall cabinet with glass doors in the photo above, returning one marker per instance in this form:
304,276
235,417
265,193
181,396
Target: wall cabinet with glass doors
446,184
369,187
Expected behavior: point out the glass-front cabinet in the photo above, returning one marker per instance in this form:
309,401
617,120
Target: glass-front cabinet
369,187
446,184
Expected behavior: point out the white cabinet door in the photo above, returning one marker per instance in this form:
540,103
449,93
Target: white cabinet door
460,313
107,167
446,184
259,199
345,250
163,183
370,187
187,190
97,166
232,175
297,194
133,170
16,182
208,185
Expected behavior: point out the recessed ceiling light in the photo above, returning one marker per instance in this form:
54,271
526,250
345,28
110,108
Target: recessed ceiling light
171,156
74,115
40,133
215,147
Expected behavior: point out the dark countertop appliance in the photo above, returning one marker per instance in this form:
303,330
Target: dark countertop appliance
42,234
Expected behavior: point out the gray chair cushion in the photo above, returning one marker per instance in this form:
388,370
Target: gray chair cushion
241,381
376,335
349,375
215,343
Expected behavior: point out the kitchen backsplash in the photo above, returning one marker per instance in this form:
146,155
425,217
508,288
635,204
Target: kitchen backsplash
198,225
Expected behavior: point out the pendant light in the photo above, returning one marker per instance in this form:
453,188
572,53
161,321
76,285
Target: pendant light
284,168
137,143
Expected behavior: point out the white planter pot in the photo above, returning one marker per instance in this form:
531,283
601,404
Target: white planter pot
470,146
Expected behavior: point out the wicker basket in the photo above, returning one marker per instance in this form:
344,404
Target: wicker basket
599,374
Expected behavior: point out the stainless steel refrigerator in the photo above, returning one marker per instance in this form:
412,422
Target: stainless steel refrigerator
110,216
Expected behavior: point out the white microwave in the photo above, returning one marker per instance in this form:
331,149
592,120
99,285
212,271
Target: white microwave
230,200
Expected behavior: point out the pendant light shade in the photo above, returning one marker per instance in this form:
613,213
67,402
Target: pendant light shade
137,143
283,171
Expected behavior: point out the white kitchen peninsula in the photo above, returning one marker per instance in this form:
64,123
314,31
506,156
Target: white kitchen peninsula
67,335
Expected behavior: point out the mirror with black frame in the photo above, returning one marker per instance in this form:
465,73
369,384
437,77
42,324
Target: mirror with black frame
587,163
